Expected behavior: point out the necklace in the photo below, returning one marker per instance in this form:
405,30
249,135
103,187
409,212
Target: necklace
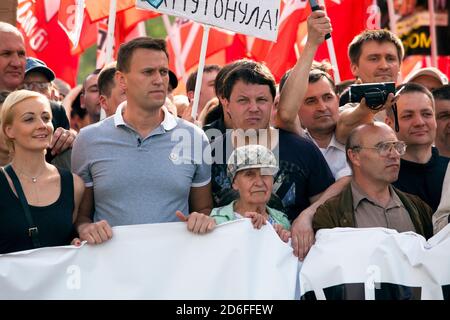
33,179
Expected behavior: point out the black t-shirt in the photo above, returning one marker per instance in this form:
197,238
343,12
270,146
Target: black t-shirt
303,173
54,221
59,120
424,180
59,116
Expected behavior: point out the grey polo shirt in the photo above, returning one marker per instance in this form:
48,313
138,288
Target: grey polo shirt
370,214
141,180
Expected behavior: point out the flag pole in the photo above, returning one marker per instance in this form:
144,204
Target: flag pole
201,65
433,33
78,23
179,65
332,54
392,19
110,34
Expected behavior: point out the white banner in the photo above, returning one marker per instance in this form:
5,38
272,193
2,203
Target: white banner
257,18
235,261
377,263
159,261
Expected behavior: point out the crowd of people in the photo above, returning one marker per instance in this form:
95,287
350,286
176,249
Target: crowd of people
296,155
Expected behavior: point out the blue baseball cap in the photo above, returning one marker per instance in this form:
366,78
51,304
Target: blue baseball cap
36,65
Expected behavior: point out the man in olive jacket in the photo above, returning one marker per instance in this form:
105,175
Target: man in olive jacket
370,200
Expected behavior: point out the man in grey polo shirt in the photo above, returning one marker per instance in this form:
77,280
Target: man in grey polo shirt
143,164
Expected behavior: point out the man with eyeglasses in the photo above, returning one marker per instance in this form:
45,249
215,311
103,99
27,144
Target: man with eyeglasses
370,200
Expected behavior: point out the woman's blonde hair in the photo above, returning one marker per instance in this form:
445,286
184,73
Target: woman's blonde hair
7,110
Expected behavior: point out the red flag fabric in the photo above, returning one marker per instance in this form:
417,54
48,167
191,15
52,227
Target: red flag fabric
45,39
414,62
88,36
349,19
69,12
126,22
184,44
66,14
99,9
282,55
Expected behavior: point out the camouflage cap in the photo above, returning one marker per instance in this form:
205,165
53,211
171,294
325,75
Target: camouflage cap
252,156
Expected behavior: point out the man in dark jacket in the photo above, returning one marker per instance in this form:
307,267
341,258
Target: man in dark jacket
373,152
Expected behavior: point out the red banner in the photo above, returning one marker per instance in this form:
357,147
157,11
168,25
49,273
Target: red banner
45,39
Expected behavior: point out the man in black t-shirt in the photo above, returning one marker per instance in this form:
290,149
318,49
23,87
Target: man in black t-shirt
422,169
248,97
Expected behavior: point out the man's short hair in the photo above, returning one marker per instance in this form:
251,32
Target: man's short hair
380,36
96,71
250,72
410,87
220,77
9,28
318,71
105,79
127,49
442,93
192,79
353,140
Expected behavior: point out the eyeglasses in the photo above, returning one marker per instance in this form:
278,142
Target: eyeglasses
384,148
36,85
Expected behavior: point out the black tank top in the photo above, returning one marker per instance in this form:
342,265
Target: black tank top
54,221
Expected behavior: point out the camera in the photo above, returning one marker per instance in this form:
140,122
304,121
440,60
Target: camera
375,93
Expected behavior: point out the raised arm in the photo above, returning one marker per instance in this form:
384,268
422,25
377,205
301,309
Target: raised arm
361,114
302,232
293,92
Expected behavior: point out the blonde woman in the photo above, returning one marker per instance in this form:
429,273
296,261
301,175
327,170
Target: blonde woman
38,202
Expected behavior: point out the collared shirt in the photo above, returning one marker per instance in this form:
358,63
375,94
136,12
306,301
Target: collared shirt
169,122
369,213
334,154
138,179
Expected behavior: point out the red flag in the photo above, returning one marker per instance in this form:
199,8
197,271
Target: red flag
283,54
99,9
88,36
125,30
44,38
184,44
348,19
70,17
414,62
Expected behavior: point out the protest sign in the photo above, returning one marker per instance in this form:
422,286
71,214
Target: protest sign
250,17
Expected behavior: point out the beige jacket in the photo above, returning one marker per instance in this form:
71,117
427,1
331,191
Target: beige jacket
441,216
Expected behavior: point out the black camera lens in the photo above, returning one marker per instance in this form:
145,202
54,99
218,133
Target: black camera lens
375,100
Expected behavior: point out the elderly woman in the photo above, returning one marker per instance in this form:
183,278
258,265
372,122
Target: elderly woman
38,202
252,169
